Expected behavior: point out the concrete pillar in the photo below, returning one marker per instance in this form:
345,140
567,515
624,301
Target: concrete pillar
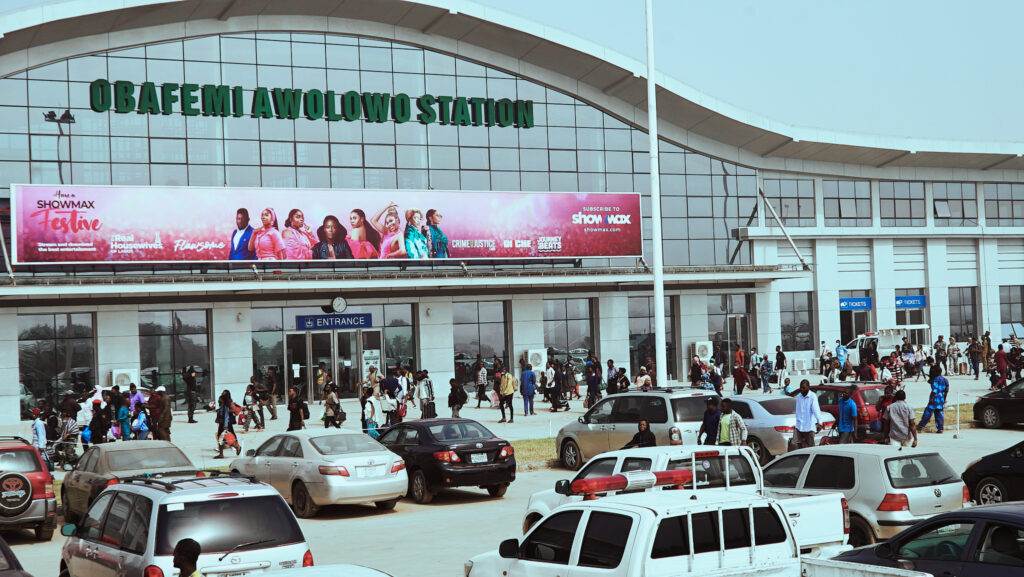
232,348
768,321
613,330
527,327
827,290
988,288
938,287
435,342
117,342
883,283
693,318
10,391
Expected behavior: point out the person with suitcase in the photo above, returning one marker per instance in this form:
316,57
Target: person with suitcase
425,394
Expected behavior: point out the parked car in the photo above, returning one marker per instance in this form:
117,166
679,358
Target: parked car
317,467
675,415
336,570
998,477
771,423
886,341
707,462
102,465
867,396
1002,407
445,453
888,488
986,541
9,564
26,500
241,525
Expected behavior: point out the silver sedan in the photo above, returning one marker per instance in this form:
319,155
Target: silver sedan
313,468
771,422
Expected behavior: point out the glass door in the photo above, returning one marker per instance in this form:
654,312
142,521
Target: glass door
372,347
296,358
322,357
737,333
348,372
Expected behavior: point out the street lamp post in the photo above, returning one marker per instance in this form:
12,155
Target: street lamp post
68,119
660,345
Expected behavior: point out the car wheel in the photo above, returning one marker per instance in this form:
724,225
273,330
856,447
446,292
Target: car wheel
420,490
43,533
302,503
860,533
570,455
990,417
755,444
386,505
990,490
497,491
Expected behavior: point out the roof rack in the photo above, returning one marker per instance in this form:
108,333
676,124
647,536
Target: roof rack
14,438
173,485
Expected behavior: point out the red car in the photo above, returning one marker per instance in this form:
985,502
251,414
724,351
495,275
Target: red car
27,500
867,397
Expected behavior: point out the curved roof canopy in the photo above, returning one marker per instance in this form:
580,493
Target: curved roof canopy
466,22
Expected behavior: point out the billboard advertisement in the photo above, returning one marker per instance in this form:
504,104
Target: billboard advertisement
84,224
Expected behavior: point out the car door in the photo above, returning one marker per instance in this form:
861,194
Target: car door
783,475
1012,470
136,536
604,549
110,557
830,474
81,559
74,487
998,551
940,548
285,464
593,434
1014,403
626,413
259,466
547,549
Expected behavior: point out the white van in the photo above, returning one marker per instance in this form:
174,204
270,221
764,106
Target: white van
886,341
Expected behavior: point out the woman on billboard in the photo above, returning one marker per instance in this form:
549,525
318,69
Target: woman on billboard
438,239
333,243
364,240
416,245
389,225
298,238
266,242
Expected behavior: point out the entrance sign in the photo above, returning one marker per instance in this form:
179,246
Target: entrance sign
911,302
82,224
318,322
855,303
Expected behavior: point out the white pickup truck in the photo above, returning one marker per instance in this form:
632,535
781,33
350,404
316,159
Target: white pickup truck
669,533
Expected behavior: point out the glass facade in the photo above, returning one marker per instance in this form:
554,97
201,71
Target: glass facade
847,202
1011,310
901,203
1004,204
479,333
169,342
729,324
792,199
906,317
797,321
955,203
568,331
56,355
641,336
963,313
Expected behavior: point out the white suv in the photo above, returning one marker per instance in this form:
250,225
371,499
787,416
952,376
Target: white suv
242,527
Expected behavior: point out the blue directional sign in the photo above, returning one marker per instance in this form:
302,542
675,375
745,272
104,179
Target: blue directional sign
854,303
912,302
328,322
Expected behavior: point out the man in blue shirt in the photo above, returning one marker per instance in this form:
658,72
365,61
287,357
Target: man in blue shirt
847,425
528,388
936,402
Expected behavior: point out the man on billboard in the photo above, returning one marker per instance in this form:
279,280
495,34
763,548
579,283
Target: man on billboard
240,237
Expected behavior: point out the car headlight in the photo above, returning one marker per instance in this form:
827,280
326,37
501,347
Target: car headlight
467,568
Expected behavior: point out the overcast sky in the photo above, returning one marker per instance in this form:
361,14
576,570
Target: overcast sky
935,69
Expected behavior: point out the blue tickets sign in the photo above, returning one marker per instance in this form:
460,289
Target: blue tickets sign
329,322
912,302
854,303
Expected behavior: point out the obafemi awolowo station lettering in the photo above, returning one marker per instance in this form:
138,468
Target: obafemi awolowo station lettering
123,96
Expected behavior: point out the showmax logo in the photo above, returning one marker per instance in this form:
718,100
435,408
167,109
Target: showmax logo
581,218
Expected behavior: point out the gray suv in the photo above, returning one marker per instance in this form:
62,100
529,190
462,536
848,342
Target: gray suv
675,415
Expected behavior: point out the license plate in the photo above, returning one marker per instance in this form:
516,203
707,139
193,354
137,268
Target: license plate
478,458
370,471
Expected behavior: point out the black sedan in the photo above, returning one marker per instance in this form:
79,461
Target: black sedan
1002,407
997,477
9,564
444,453
985,541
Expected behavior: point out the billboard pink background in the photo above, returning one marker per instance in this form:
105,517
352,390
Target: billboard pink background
195,224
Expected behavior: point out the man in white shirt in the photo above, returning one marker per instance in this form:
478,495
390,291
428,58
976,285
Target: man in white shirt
808,416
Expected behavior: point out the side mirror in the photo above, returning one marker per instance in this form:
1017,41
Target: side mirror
509,549
583,420
885,551
250,453
68,529
562,487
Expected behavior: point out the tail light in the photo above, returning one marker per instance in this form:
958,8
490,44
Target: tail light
307,559
846,517
828,425
967,495
674,436
506,452
200,474
333,471
398,466
48,488
447,457
785,429
153,571
894,502
113,481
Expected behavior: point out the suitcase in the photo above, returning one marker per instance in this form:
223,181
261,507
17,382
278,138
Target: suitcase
429,410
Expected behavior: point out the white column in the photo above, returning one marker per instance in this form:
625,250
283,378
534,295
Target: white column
232,349
117,342
826,290
613,330
938,287
527,327
435,343
693,316
767,307
988,288
10,393
883,283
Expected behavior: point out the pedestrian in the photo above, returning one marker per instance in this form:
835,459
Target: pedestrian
765,373
135,397
731,428
719,358
899,419
593,387
99,423
847,425
425,396
298,410
936,402
1002,363
716,380
188,375
643,437
939,349
140,423
709,424
788,388
154,406
528,388
373,380
225,418
372,412
186,558
622,381
740,378
332,408
250,401
124,418
642,382
823,351
481,382
887,398
920,359
457,398
986,350
39,436
808,416
68,442
507,389
739,358
841,353
323,378
953,356
696,372
273,391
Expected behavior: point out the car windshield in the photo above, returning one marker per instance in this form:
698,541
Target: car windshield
783,406
463,431
158,458
220,524
18,462
919,471
340,444
871,396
